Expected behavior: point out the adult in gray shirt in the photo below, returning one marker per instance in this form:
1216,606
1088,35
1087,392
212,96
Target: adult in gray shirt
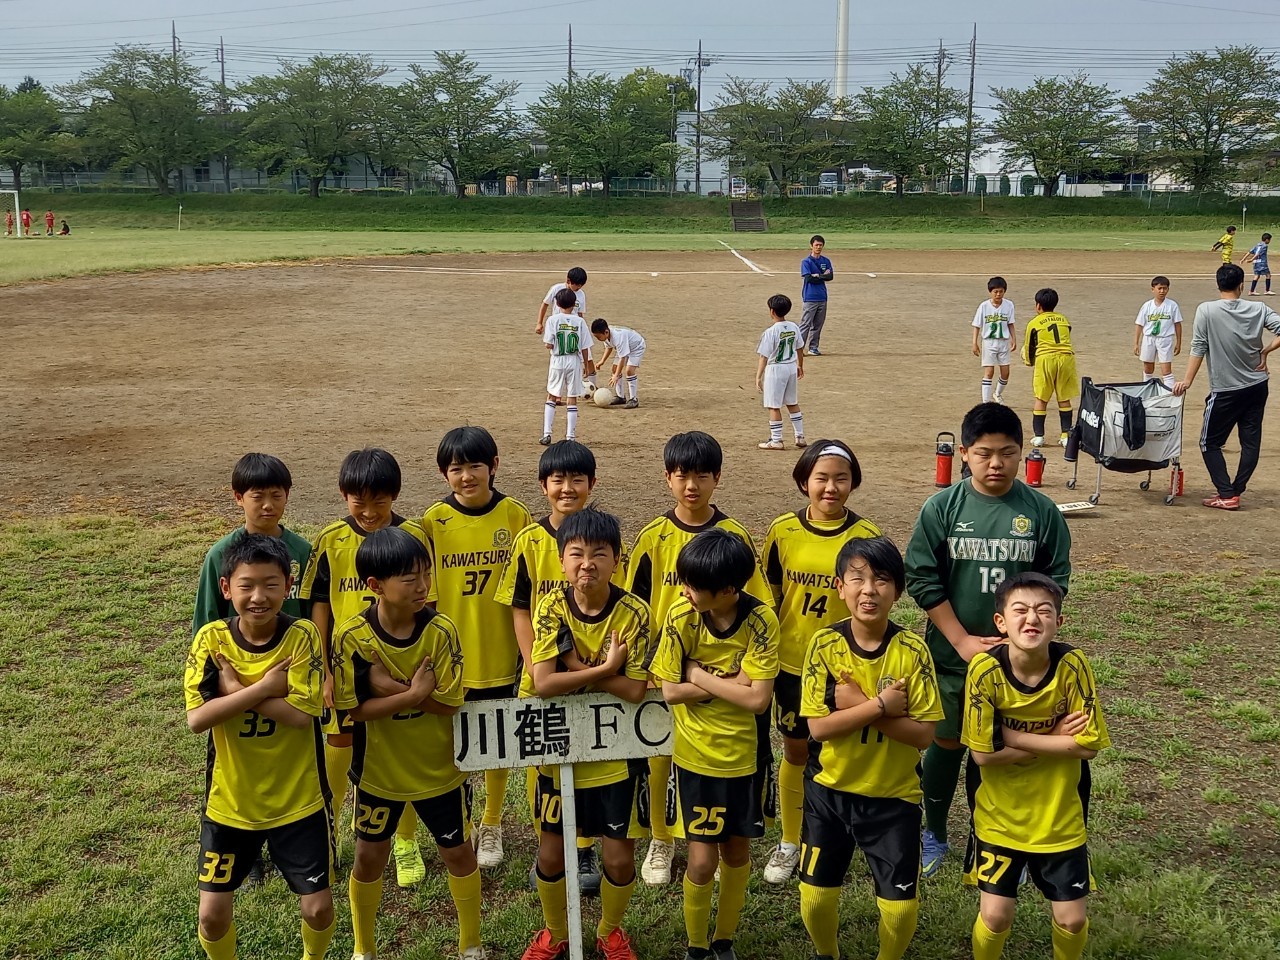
1228,333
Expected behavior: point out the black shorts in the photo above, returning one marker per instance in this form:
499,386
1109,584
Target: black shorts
1061,876
335,722
447,816
786,707
303,852
885,829
619,810
504,692
714,809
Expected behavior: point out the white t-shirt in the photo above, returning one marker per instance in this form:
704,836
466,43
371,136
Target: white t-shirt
993,321
568,335
625,342
779,343
1157,320
550,298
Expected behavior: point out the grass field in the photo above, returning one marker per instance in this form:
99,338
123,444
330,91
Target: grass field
99,781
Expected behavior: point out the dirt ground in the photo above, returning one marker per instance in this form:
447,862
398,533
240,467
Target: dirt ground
138,392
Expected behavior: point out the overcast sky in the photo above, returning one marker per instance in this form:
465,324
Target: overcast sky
1120,42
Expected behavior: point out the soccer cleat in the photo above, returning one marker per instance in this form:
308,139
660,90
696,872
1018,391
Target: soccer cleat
488,846
771,445
632,403
697,953
545,440
617,401
544,948
475,953
801,442
588,872
782,864
815,352
616,946
656,870
932,850
1222,503
998,399
1037,441
364,956
723,950
1062,440
410,869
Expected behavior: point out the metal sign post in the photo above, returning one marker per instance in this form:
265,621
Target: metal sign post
505,734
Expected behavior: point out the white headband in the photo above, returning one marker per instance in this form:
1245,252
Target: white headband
834,451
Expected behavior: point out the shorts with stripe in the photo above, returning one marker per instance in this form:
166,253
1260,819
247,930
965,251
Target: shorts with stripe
335,722
303,851
1061,876
619,810
786,707
447,816
714,809
885,829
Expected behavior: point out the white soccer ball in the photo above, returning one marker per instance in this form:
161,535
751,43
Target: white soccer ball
603,397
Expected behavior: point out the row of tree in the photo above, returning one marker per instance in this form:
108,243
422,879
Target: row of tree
1205,119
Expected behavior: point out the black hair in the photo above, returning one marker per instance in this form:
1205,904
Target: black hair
1230,277
566,456
1231,229
390,552
780,304
590,526
813,453
1030,580
879,553
1161,281
370,472
987,419
715,560
997,283
466,445
817,238
599,325
255,548
258,471
566,299
1047,299
576,275
1266,238
693,452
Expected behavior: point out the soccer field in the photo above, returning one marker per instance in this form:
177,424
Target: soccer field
135,394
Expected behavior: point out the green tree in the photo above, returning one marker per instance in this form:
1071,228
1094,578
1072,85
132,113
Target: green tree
1209,112
314,115
460,119
1058,125
146,110
910,123
29,130
29,84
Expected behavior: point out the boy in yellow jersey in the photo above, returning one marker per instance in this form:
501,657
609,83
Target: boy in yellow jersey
717,657
1227,244
799,554
470,533
398,674
692,462
1032,724
872,700
590,636
1047,347
567,475
254,682
369,481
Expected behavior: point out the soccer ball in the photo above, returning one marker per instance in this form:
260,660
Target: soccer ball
603,397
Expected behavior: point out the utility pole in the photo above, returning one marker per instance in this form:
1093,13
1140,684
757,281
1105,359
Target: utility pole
173,34
937,100
222,102
571,58
697,132
968,133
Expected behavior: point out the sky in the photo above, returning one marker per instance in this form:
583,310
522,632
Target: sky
1118,42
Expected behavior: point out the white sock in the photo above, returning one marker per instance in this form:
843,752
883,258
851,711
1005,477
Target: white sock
1147,377
775,430
797,424
548,417
787,847
1168,381
1000,387
572,409
986,390
633,387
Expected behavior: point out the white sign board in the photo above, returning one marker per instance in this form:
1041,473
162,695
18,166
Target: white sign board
498,734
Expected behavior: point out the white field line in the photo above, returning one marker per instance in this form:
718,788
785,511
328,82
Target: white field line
744,259
490,272
1129,243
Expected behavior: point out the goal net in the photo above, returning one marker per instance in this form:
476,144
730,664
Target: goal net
9,200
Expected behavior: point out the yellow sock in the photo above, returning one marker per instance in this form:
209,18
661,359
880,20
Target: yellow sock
337,761
897,926
613,903
697,911
659,773
555,909
733,894
407,828
790,801
531,793
466,897
1068,945
495,793
223,948
986,944
315,943
365,899
820,910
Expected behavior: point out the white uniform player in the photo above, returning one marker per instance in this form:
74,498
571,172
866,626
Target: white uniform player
581,294
626,346
1158,322
567,339
780,367
993,326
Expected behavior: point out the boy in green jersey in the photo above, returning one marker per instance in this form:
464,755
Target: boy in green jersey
968,539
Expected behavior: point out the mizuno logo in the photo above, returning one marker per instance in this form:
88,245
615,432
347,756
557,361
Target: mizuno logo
663,536
616,826
1081,885
443,520
448,836
759,823
904,886
964,526
316,878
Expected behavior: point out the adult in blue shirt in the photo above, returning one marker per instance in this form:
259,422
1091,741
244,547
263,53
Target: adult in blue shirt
816,271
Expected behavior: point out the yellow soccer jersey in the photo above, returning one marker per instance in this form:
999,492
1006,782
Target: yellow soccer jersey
651,568
331,572
800,566
1048,334
714,737
559,626
407,756
261,773
1039,805
867,762
534,569
1228,246
471,546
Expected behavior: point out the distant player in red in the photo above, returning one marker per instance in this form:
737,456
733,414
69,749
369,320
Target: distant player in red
26,222
8,223
48,223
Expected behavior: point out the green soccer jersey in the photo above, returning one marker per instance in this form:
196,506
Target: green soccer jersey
965,543
212,605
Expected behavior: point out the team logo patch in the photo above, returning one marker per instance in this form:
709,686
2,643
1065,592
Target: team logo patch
1060,708
1021,526
294,569
885,683
502,538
